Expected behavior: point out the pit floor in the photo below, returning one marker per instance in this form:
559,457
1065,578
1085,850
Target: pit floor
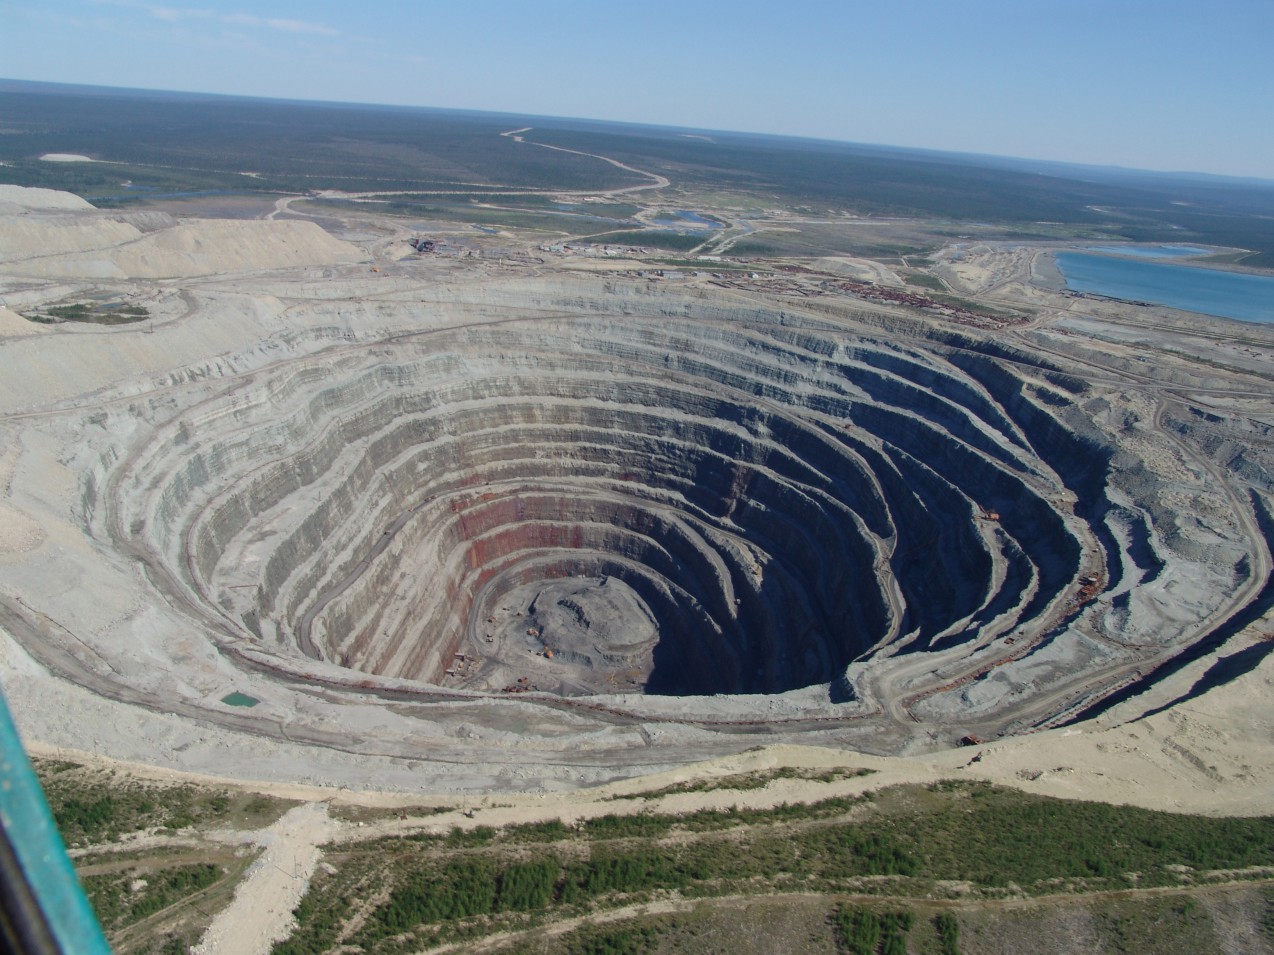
573,636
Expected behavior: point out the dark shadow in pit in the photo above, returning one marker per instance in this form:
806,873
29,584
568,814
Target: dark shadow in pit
813,609
780,637
841,690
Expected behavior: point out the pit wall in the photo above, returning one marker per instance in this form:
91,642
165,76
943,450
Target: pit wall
351,506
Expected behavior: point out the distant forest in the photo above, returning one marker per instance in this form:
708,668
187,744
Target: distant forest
171,143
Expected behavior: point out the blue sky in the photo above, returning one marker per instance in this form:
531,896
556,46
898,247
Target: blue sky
1183,86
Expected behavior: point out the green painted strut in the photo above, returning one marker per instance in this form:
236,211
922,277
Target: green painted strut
43,910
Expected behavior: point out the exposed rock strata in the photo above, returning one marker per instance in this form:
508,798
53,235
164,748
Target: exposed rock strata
320,487
791,505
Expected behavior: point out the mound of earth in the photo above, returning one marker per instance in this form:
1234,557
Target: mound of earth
40,237
18,198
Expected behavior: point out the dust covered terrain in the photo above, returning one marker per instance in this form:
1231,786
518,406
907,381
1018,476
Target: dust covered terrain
286,500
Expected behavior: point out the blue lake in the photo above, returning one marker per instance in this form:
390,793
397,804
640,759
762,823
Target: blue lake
684,216
1248,298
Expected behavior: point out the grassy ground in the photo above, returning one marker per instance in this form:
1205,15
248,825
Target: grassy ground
95,313
938,870
672,241
94,806
150,874
909,848
925,281
1220,920
808,239
161,902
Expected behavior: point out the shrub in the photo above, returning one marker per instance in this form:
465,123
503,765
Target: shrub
948,933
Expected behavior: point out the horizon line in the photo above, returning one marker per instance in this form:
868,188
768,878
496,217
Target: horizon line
948,153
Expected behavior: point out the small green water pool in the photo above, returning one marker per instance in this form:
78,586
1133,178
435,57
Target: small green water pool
239,699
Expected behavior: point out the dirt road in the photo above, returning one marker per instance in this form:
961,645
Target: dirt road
261,913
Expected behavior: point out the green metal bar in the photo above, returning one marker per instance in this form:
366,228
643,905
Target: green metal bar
42,906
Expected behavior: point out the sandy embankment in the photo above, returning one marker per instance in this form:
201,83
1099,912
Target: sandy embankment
1213,755
1046,274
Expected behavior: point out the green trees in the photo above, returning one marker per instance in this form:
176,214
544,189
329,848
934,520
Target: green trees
894,845
862,931
459,889
526,886
948,933
857,930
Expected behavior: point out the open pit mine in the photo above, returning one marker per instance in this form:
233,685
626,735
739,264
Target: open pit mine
534,528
